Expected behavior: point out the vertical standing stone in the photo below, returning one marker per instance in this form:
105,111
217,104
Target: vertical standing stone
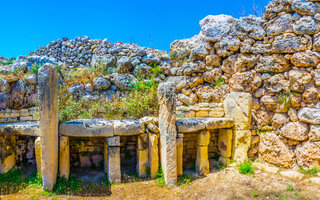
142,155
168,132
238,105
225,145
48,125
7,153
64,157
153,154
37,146
180,155
202,160
114,162
105,153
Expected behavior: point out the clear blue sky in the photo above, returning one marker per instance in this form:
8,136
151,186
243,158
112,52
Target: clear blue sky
27,24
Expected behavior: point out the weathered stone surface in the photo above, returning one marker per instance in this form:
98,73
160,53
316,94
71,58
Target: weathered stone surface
37,147
308,154
306,25
48,125
213,60
179,81
209,94
278,120
212,76
293,115
298,80
179,156
202,161
225,142
87,128
314,133
277,83
128,127
64,157
273,150
241,144
154,154
124,64
311,95
244,82
20,128
238,105
279,25
168,132
289,43
297,131
113,141
292,174
190,125
114,165
17,94
101,84
7,153
272,63
305,59
304,8
309,115
142,154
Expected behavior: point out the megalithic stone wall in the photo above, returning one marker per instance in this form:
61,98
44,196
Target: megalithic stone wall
168,132
48,125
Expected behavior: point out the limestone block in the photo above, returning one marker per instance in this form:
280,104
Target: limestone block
64,157
197,124
105,155
203,138
202,113
168,132
142,154
225,142
113,141
20,128
241,144
179,156
202,161
308,154
48,127
309,115
128,127
114,165
153,154
7,153
87,127
37,146
238,105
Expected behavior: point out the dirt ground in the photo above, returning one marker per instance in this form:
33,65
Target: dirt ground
219,185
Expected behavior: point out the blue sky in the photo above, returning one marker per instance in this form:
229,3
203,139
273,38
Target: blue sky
27,24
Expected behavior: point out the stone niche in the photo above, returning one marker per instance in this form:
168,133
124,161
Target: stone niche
190,149
128,154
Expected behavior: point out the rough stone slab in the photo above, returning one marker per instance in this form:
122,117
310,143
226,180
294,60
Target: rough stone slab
179,156
309,115
241,144
128,127
197,124
49,124
7,153
64,157
153,154
30,128
225,142
37,146
113,141
202,161
114,165
168,131
87,128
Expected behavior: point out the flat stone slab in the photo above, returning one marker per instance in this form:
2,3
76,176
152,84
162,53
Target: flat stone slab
30,128
197,124
87,128
128,127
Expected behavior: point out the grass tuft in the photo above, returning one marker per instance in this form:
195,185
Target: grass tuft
246,168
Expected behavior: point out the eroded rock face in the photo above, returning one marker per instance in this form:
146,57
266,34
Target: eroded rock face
273,150
308,154
17,94
314,133
306,25
305,59
309,115
297,131
244,82
273,63
298,80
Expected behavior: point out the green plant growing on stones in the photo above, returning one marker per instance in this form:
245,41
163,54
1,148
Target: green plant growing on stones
246,168
285,99
311,172
220,166
35,69
7,62
183,180
160,178
218,83
64,186
290,188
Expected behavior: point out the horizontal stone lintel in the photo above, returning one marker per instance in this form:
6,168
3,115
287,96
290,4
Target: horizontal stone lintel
29,128
197,124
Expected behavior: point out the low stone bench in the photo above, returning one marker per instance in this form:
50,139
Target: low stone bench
8,133
202,127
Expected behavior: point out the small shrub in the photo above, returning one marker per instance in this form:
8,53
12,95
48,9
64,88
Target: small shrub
220,166
219,82
246,168
184,179
255,193
310,172
64,186
35,69
160,178
290,188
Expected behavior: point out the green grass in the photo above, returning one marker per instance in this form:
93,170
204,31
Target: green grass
310,172
7,62
160,178
246,168
255,193
290,188
218,83
35,69
183,180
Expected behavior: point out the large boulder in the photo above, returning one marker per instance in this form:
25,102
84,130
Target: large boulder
106,61
101,84
244,82
299,80
124,65
272,63
273,150
297,131
306,25
308,154
123,82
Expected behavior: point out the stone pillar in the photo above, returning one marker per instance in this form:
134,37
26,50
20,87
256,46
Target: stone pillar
64,157
153,154
37,146
238,105
7,153
113,162
180,154
48,125
105,154
225,145
142,155
202,161
168,132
